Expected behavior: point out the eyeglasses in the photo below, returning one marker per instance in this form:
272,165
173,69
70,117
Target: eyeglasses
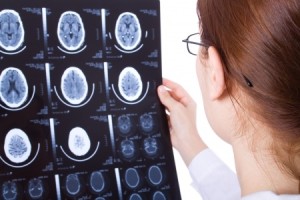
193,42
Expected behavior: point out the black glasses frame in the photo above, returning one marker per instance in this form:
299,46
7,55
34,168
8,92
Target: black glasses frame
206,45
187,41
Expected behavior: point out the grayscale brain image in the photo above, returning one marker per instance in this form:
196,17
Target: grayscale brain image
97,182
70,30
9,190
159,196
17,146
151,146
73,185
80,117
124,124
13,87
128,31
128,149
135,196
11,30
35,188
74,85
99,198
79,141
132,178
155,175
130,84
147,122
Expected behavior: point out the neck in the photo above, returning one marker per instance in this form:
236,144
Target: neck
258,171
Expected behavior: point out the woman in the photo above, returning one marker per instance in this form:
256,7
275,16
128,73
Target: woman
248,68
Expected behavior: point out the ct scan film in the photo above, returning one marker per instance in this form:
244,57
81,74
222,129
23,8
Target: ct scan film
79,114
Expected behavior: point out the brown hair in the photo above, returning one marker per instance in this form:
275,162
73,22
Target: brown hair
259,43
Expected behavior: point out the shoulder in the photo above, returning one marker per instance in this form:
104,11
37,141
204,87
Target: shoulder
266,195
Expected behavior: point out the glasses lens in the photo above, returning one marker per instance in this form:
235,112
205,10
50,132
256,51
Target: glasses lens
194,48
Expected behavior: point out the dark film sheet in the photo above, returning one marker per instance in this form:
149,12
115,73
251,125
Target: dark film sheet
79,114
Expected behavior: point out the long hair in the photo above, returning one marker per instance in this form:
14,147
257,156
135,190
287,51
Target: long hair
259,43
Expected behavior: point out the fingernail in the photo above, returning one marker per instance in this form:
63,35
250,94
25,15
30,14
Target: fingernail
161,89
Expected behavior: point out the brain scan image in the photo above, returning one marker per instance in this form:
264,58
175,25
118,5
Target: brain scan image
13,87
79,141
73,185
36,188
99,198
70,30
155,175
11,30
150,146
124,124
132,178
74,86
158,195
130,84
9,190
17,146
128,31
135,196
128,149
147,122
97,182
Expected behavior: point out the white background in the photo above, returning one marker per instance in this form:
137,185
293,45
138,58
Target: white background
178,20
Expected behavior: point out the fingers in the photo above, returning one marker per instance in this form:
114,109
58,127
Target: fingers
165,97
178,92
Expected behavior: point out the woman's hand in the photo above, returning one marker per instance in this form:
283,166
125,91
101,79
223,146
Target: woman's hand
181,110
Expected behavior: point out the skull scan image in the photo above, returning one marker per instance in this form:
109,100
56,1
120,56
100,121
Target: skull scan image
100,198
35,188
128,149
158,195
124,124
73,85
79,141
11,30
155,175
73,185
151,146
147,122
70,30
128,31
130,84
17,146
9,190
135,196
132,178
97,182
13,87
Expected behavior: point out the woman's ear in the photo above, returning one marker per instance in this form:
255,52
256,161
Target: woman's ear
215,76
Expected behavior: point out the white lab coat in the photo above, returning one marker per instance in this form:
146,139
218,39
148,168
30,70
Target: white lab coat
215,181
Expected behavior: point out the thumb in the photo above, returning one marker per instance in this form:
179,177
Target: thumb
165,97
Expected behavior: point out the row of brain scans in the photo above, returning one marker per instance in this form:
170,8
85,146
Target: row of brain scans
15,92
71,32
97,183
131,138
80,117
